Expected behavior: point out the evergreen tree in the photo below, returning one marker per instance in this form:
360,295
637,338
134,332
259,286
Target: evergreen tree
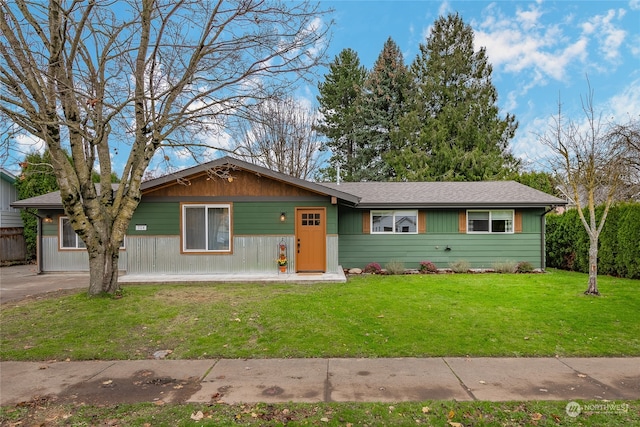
384,104
340,105
37,178
453,131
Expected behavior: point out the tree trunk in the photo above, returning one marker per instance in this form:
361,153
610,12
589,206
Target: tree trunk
103,271
593,268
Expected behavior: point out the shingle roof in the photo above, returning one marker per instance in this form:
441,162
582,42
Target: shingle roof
51,200
447,194
369,194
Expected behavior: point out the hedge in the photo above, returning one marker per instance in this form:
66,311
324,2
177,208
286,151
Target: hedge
567,242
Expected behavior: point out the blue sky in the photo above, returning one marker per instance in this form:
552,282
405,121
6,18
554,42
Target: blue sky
540,51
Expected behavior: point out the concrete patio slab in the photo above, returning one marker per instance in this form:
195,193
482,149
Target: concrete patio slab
392,380
504,379
264,380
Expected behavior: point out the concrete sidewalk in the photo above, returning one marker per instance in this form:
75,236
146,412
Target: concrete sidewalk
322,380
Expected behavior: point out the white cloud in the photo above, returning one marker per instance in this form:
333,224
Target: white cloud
634,4
609,36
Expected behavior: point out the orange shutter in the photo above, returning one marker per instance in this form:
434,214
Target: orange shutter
462,221
517,222
422,222
366,222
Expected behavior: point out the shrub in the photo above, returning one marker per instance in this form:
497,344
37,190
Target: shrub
373,268
395,267
504,266
460,266
524,267
428,267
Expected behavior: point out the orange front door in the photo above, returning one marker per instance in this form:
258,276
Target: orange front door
311,240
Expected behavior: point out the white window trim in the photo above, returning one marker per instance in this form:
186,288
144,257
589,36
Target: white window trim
490,211
61,237
183,228
393,214
78,239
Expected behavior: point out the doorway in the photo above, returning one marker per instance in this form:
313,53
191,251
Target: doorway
311,240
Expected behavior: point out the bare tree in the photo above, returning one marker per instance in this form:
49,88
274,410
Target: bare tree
590,168
627,138
138,77
281,136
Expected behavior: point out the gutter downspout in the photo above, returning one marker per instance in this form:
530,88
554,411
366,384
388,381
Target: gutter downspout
543,237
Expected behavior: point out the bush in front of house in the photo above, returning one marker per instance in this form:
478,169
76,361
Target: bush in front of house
460,266
504,266
427,267
394,267
373,268
524,267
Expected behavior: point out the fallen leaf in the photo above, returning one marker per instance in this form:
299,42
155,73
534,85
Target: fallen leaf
381,316
452,424
451,414
107,382
544,390
197,416
582,375
324,419
159,402
482,382
425,409
178,386
254,415
537,416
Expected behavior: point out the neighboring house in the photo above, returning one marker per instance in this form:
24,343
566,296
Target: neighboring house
12,245
230,216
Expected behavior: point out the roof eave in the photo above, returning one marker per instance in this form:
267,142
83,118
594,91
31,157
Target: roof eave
456,205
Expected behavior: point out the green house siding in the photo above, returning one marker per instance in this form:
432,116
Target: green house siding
357,249
249,218
159,218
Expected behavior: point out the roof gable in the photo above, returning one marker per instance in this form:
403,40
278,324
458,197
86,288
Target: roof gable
231,176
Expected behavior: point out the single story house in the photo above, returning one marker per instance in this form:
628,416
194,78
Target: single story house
230,216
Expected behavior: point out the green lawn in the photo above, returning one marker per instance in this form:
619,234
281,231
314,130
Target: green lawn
369,316
432,413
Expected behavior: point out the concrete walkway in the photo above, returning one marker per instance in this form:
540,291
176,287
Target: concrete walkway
322,380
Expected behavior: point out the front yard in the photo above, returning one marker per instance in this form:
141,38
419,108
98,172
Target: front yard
370,316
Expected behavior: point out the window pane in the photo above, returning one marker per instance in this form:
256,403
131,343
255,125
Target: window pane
194,224
406,222
478,221
218,222
382,222
501,221
68,235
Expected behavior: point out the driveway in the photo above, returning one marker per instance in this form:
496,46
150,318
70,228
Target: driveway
21,281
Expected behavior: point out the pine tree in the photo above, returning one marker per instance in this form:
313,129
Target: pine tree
36,179
340,107
384,104
453,131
